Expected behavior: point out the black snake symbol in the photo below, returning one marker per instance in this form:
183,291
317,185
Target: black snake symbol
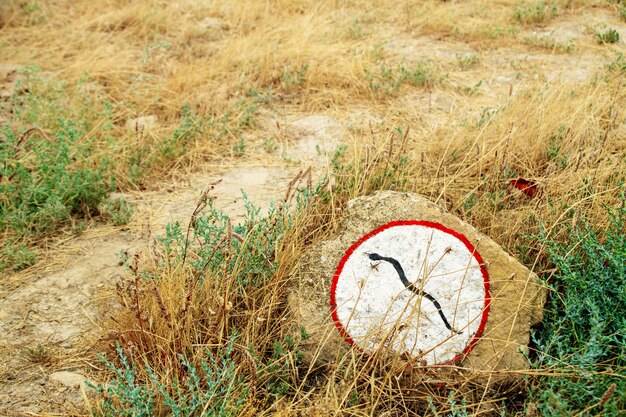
418,291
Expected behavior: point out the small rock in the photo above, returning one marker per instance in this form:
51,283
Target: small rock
61,282
317,124
318,136
210,23
68,379
10,72
142,124
59,333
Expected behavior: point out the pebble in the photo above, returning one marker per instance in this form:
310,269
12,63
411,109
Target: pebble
68,379
142,123
210,23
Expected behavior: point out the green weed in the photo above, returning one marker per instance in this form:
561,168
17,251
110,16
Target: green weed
608,36
210,388
213,228
387,80
498,32
355,30
277,372
239,148
554,152
16,256
618,65
535,13
118,210
467,61
39,354
49,170
583,335
549,43
294,77
269,144
471,90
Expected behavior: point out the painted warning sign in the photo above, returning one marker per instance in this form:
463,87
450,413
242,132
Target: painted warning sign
416,287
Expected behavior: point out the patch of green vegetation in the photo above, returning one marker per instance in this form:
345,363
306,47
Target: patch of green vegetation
471,90
355,30
26,12
167,149
487,115
239,148
548,42
554,152
467,61
61,155
211,387
535,13
384,171
17,256
277,373
583,336
269,144
610,35
118,210
213,228
498,32
618,65
48,165
39,354
388,80
294,77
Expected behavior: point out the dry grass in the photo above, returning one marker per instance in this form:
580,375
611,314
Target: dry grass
326,57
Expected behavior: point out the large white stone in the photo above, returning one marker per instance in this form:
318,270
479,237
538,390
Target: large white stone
349,289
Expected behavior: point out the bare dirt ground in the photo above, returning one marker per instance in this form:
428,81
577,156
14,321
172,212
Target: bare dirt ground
51,315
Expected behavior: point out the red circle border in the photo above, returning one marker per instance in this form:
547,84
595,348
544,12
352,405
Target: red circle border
434,225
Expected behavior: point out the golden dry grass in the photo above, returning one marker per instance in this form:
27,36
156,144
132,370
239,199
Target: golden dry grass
152,57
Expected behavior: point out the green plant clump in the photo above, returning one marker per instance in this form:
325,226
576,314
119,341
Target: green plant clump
608,36
119,210
618,65
535,13
43,185
17,256
50,171
388,80
213,388
584,331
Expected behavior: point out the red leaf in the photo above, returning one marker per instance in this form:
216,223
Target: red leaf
527,187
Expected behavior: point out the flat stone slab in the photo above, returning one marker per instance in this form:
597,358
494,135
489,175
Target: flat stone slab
404,277
69,379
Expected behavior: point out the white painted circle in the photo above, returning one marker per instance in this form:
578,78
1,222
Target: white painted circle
437,314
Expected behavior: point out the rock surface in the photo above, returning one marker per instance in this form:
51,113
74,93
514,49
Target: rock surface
142,124
318,136
68,379
516,297
210,23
